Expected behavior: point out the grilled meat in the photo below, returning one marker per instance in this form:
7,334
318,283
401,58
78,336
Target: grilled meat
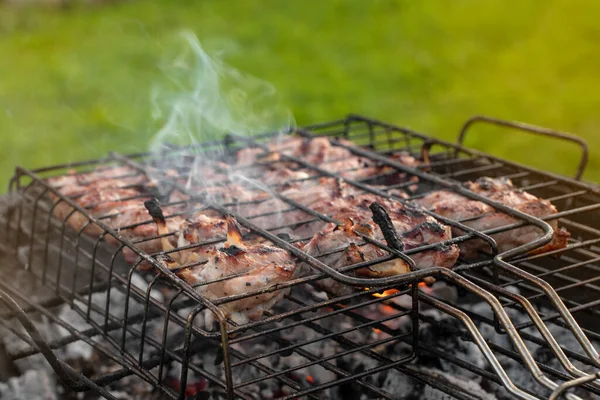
135,225
115,196
339,246
75,184
280,213
104,192
197,235
325,196
201,226
359,168
285,176
312,150
251,267
321,152
481,216
99,202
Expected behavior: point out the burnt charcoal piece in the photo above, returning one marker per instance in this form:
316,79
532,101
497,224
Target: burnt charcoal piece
349,390
284,343
153,207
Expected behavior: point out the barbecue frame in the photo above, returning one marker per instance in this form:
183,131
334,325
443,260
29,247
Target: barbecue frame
461,276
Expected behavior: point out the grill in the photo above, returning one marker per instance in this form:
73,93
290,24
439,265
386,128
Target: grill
521,325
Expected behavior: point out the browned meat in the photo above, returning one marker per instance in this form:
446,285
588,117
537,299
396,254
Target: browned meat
358,168
481,216
315,151
317,192
342,246
103,191
227,269
284,176
98,202
185,229
135,225
251,267
200,227
225,192
249,155
75,184
115,195
320,152
325,196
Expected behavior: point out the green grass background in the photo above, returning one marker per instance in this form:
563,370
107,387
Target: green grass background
75,84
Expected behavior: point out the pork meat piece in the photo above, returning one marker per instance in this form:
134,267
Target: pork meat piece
320,196
246,267
98,202
481,216
326,197
136,225
321,152
343,245
75,184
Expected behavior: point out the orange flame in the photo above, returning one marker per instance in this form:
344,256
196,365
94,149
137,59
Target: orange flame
386,293
390,292
310,380
376,330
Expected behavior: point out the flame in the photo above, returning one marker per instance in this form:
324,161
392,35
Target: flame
376,330
390,292
386,293
310,379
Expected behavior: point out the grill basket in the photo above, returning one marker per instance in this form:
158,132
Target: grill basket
510,307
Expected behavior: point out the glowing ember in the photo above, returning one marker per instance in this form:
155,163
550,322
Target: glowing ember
388,309
310,380
376,330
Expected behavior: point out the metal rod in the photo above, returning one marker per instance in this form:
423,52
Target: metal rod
537,130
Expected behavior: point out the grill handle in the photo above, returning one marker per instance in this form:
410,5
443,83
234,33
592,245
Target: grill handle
536,130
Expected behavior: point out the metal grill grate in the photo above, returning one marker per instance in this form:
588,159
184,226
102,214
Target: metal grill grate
533,301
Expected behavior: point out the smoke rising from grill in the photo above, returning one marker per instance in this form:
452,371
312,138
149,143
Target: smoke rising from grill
206,98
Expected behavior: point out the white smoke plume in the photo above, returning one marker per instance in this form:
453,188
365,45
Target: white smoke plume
207,99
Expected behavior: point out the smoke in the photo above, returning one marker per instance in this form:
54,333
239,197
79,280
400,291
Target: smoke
208,98
204,99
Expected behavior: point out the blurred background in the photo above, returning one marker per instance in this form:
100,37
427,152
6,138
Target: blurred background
76,77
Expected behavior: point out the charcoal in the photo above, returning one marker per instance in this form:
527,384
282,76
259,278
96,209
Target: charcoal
467,385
